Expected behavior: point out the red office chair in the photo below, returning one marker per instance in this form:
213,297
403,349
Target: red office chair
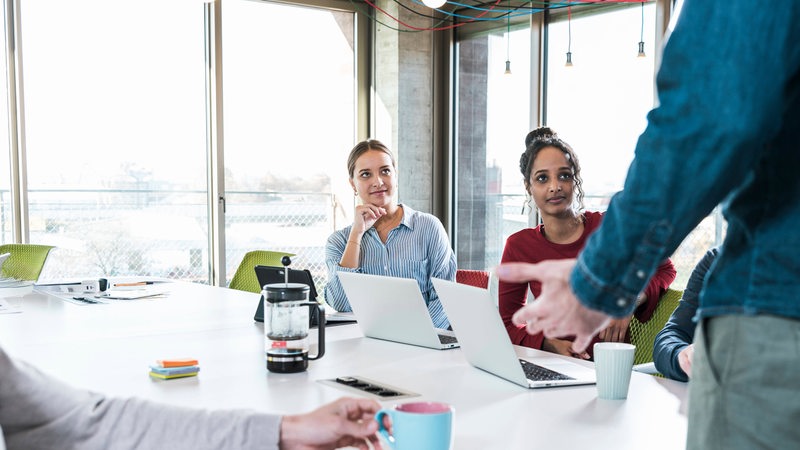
477,278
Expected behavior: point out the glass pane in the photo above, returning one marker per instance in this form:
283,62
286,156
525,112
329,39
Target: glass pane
599,105
6,224
289,125
493,110
115,124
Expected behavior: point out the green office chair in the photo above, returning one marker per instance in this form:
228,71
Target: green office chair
245,277
26,260
643,335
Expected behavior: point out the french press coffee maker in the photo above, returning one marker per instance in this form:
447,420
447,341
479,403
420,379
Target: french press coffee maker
286,323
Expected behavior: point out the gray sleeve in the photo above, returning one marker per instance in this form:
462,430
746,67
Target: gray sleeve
40,412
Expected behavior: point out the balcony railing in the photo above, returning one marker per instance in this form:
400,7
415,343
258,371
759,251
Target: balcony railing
164,233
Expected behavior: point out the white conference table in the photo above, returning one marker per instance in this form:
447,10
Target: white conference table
107,348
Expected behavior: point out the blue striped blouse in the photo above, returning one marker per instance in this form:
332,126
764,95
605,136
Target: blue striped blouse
417,248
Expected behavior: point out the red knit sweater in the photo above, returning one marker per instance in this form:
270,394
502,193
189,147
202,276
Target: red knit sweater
531,246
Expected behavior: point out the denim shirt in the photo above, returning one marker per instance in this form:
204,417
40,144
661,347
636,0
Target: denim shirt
727,130
418,248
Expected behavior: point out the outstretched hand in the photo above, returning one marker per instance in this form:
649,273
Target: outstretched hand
347,422
556,312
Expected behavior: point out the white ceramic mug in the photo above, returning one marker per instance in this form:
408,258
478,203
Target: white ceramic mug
613,362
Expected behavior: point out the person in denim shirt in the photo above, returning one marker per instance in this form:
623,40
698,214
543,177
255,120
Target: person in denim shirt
727,130
673,349
387,238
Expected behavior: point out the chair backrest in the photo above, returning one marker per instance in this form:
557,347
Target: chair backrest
477,278
245,277
643,335
25,262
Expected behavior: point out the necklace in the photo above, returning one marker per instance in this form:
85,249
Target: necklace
575,232
388,225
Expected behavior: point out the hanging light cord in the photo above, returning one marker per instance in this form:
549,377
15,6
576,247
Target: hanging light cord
508,34
641,35
569,29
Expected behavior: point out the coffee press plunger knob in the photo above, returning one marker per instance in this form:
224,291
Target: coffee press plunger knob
286,261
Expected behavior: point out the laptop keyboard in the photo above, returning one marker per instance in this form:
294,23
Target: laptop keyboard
538,373
447,339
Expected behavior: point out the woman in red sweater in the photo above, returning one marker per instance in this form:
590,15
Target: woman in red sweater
553,180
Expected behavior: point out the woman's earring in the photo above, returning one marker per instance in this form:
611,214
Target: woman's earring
355,193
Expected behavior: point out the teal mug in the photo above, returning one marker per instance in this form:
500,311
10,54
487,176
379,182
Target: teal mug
418,425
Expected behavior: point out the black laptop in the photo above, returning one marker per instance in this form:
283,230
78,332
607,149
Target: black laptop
273,275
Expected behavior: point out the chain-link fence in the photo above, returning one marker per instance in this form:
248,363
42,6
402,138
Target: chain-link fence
164,233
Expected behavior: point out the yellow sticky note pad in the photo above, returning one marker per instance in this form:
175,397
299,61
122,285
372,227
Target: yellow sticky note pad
164,376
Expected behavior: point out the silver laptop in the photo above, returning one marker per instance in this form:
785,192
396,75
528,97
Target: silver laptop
485,342
393,309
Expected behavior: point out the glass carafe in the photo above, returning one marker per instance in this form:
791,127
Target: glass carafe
286,324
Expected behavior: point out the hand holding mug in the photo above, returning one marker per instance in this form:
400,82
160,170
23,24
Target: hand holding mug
417,425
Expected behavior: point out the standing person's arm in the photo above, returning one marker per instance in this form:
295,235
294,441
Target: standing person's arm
678,333
701,143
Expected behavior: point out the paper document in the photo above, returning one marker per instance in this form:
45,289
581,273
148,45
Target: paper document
10,287
7,308
131,294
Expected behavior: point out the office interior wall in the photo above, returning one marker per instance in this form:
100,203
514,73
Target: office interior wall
470,153
403,74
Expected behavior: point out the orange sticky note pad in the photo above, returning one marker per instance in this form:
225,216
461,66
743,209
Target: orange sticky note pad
177,362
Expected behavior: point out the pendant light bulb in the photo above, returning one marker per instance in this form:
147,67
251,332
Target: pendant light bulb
434,3
641,37
508,67
569,60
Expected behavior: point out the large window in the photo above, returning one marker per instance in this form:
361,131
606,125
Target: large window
115,134
493,110
6,224
115,98
290,121
599,104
